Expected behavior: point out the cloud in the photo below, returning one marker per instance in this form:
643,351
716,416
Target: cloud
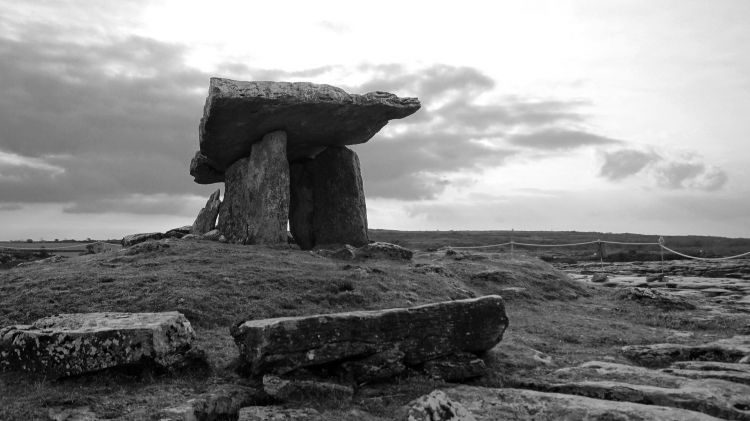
335,27
7,207
625,162
559,139
668,172
158,204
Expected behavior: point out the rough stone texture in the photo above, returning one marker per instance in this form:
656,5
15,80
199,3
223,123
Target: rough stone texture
132,239
278,413
436,406
454,368
487,404
660,355
622,382
206,220
256,197
422,333
70,344
328,200
222,402
285,390
178,232
238,114
381,366
212,235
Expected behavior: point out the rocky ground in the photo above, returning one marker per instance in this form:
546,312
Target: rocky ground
575,349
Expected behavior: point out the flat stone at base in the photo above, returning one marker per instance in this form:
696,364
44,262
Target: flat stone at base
132,239
278,413
731,350
256,196
422,333
70,344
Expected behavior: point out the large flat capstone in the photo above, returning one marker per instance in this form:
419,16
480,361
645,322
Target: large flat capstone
238,114
70,344
421,333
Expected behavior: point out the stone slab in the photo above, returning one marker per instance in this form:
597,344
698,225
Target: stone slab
422,333
70,344
238,114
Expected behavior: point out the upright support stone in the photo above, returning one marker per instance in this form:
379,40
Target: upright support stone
328,200
256,194
206,220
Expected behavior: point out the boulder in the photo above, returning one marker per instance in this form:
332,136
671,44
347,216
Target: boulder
206,220
731,350
238,114
327,200
599,277
70,344
178,232
486,404
256,197
132,239
213,235
422,333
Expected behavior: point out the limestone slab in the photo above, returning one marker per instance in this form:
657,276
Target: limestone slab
238,114
70,344
422,333
206,219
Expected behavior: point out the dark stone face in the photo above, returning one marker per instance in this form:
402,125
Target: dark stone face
238,114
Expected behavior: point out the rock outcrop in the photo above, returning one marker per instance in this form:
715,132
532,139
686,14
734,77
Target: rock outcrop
731,350
70,344
238,114
421,333
256,199
206,220
328,200
465,403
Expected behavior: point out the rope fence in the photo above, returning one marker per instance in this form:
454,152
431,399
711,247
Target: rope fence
660,244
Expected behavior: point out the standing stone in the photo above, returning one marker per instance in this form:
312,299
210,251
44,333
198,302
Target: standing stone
206,220
328,200
256,194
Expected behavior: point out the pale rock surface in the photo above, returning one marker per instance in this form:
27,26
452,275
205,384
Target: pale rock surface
206,219
733,372
256,197
436,406
422,333
70,344
486,404
238,114
328,200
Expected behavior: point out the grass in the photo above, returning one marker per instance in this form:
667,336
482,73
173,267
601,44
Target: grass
216,285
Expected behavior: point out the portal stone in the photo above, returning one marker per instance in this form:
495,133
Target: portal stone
256,194
206,220
328,200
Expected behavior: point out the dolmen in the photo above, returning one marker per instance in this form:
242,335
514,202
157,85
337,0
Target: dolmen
72,344
281,150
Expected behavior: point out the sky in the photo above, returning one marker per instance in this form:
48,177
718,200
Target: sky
585,115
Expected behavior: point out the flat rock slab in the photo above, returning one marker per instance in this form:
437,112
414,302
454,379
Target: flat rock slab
731,350
620,382
467,403
733,372
238,114
422,333
70,344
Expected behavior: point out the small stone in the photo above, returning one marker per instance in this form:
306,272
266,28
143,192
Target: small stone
278,413
294,390
213,235
206,219
599,277
382,250
457,367
436,406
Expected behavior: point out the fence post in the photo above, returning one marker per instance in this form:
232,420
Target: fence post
661,251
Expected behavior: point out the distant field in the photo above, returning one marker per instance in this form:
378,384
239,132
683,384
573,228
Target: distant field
704,246
63,248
